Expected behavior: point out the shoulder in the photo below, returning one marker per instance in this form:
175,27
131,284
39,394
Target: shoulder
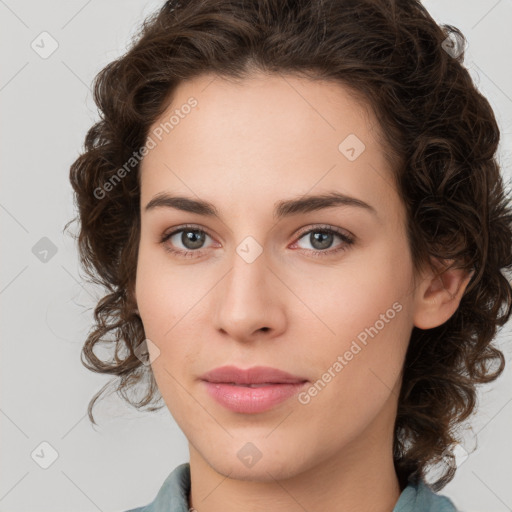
173,494
419,497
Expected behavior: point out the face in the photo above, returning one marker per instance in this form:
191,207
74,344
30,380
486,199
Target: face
321,290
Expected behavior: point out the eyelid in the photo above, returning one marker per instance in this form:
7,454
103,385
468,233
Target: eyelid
182,227
327,227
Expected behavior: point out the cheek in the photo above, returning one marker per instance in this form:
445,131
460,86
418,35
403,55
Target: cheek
365,329
163,309
168,304
345,299
158,290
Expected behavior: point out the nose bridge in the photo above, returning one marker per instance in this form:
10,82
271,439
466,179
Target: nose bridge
247,281
245,302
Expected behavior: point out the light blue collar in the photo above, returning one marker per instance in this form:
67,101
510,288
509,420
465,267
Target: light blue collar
173,496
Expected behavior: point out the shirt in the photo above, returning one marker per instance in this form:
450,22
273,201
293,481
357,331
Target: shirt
173,496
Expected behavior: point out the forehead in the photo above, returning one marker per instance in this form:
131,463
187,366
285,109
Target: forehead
265,137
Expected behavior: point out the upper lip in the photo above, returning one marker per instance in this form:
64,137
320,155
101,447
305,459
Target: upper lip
254,375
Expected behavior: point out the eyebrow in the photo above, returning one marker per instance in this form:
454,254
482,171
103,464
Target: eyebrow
284,208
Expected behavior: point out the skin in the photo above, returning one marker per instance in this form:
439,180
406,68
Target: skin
245,146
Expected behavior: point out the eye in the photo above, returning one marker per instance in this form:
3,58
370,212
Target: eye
191,237
321,239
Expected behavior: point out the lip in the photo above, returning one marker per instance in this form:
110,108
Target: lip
254,375
229,386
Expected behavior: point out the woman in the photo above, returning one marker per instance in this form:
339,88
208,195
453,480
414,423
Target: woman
296,209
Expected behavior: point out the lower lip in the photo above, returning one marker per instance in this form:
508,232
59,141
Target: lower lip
251,400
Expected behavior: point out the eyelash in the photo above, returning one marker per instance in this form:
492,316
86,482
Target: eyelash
347,241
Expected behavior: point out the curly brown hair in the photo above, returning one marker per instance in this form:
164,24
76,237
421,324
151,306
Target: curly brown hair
440,134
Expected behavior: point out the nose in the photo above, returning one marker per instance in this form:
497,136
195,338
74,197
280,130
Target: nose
250,300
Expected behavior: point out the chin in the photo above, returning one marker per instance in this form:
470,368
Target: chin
243,460
267,470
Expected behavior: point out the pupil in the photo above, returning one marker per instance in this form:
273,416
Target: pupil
189,238
325,236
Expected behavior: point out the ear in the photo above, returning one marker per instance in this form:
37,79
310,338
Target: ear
438,295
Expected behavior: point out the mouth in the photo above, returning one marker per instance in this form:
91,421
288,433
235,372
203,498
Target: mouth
253,390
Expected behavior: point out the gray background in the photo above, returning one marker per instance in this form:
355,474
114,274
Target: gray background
46,310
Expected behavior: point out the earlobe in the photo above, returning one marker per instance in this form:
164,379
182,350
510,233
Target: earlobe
439,295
